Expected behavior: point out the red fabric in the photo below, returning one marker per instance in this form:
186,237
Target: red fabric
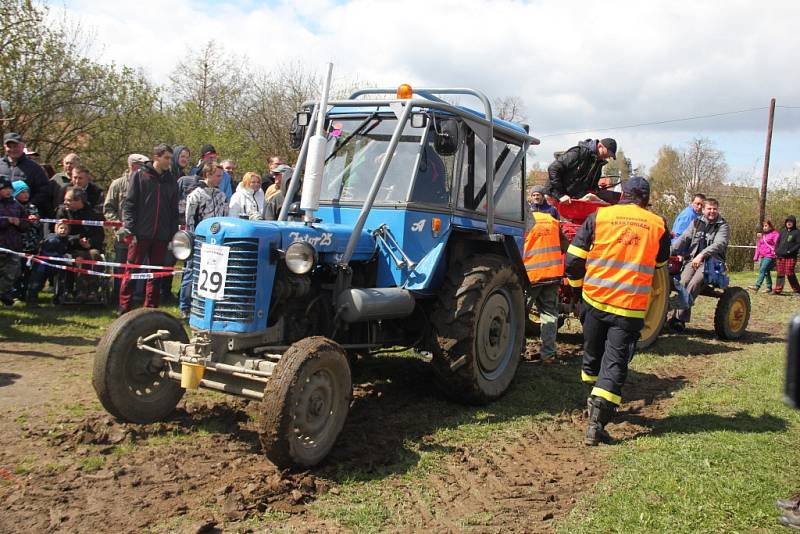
786,266
154,251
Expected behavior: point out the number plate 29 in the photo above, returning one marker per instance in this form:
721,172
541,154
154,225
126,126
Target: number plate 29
213,269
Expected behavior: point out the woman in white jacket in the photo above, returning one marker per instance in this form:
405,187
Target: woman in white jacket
248,200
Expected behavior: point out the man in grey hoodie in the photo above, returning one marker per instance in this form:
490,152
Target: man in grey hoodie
707,237
204,202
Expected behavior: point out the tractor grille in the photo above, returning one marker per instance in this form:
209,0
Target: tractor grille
239,304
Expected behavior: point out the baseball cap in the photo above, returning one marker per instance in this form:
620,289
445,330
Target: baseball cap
30,152
283,169
137,158
538,189
207,150
611,145
12,137
5,181
636,186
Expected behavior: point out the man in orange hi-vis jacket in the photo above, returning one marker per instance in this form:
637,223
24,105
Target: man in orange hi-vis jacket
610,264
544,245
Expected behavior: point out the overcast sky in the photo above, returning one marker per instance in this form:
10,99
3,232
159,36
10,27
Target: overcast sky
577,65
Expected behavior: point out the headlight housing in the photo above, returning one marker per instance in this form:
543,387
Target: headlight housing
181,245
300,257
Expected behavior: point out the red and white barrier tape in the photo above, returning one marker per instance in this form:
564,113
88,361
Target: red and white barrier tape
74,222
132,276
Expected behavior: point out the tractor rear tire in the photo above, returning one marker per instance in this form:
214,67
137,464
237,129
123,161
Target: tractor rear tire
305,403
478,329
128,384
657,308
732,313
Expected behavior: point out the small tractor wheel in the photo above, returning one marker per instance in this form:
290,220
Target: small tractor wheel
732,313
305,403
657,308
131,383
479,329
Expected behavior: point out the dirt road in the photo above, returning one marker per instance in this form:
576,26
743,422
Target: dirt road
67,466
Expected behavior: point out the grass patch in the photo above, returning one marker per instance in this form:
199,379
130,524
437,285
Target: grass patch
90,464
25,466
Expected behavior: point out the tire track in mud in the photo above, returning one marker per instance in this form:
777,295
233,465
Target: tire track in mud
529,483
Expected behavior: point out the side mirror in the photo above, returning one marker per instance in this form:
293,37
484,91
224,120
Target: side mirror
303,118
446,142
297,131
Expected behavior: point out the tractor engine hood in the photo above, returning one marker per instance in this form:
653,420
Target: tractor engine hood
328,239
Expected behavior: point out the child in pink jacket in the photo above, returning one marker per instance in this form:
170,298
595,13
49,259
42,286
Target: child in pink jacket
765,251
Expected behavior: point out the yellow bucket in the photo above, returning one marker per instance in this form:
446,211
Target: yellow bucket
191,375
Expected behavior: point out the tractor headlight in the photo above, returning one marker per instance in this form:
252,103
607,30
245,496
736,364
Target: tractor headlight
181,245
300,257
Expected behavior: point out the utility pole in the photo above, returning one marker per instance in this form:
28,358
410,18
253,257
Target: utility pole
762,207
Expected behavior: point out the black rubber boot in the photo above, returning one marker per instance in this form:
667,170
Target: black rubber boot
600,413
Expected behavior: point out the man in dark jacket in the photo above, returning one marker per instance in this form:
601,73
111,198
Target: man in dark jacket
786,250
706,238
150,219
17,166
577,171
85,241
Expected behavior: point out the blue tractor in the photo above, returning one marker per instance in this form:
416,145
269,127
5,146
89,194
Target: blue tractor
403,242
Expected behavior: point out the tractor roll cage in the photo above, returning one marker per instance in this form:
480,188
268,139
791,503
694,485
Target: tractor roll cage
484,127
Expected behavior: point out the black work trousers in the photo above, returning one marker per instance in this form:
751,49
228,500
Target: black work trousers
609,341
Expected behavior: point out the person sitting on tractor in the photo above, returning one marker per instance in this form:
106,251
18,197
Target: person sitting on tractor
706,238
577,171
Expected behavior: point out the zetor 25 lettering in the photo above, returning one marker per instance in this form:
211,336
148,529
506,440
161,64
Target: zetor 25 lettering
324,240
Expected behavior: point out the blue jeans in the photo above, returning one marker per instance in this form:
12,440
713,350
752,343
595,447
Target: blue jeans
186,286
767,264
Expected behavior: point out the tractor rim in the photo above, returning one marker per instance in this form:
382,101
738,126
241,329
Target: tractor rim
655,307
313,411
737,315
496,327
142,379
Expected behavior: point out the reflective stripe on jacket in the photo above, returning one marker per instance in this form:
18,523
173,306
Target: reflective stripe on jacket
542,253
622,260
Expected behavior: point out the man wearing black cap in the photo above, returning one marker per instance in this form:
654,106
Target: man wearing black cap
577,171
610,266
17,166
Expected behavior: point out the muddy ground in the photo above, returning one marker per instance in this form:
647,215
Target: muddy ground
66,466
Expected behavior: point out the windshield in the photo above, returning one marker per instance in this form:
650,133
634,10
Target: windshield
356,149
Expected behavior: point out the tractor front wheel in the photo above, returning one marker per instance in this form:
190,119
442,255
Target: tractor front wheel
732,313
305,403
131,383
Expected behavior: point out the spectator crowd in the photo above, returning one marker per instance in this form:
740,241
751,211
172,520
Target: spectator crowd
156,195
163,191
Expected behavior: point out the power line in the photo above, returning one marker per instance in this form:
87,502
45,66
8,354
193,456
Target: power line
658,122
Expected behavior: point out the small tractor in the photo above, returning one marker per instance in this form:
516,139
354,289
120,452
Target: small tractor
409,235
731,314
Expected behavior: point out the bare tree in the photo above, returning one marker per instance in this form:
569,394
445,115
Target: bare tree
702,166
509,108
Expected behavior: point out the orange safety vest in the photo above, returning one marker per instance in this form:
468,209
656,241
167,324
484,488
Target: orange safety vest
622,260
542,252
